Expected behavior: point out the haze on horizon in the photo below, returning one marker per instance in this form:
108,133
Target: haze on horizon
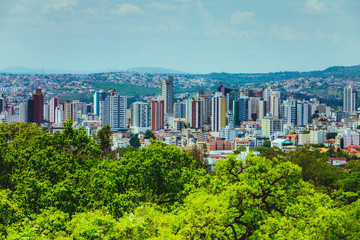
187,35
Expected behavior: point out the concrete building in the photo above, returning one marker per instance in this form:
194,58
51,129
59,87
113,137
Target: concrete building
218,112
140,114
317,137
54,102
350,99
157,114
167,94
270,126
180,110
113,111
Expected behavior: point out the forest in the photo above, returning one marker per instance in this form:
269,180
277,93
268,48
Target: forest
70,186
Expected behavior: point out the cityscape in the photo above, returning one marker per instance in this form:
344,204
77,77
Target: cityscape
282,112
179,119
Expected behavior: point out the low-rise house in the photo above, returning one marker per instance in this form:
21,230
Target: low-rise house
281,143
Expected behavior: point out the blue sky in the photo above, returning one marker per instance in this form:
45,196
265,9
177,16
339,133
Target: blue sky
188,35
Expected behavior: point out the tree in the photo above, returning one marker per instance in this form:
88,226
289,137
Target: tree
197,155
331,135
149,135
240,149
104,138
267,143
134,141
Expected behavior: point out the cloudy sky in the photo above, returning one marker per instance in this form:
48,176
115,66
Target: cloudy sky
197,36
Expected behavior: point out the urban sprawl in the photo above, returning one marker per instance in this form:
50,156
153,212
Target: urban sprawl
218,120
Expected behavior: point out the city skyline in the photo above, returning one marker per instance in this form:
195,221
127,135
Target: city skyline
189,36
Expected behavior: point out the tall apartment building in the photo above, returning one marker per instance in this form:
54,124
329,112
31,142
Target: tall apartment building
54,102
218,112
113,111
303,113
289,111
167,94
140,114
98,96
271,125
242,110
32,110
275,105
2,103
157,114
262,109
38,99
180,110
23,116
206,109
350,99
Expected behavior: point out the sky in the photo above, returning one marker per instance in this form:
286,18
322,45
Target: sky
195,36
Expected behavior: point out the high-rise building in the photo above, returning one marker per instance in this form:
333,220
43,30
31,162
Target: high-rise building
67,108
46,111
262,109
113,111
254,102
54,102
98,96
23,117
218,112
59,114
157,114
275,105
167,94
2,103
289,114
38,113
180,110
206,106
230,97
271,125
350,99
140,114
242,110
303,117
194,111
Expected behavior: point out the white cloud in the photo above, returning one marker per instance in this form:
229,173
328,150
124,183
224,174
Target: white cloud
59,5
242,17
314,6
288,33
126,10
20,9
333,37
162,6
202,9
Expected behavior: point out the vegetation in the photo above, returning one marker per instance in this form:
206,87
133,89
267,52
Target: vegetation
64,186
127,89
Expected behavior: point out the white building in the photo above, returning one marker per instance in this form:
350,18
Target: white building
118,143
140,115
23,112
167,94
317,137
113,111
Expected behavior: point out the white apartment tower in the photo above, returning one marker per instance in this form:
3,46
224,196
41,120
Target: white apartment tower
140,114
218,113
167,94
350,99
113,111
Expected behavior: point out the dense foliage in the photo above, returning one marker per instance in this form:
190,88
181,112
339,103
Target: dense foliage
64,186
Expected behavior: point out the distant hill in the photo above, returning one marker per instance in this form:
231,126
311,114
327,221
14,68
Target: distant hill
154,70
24,70
241,78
